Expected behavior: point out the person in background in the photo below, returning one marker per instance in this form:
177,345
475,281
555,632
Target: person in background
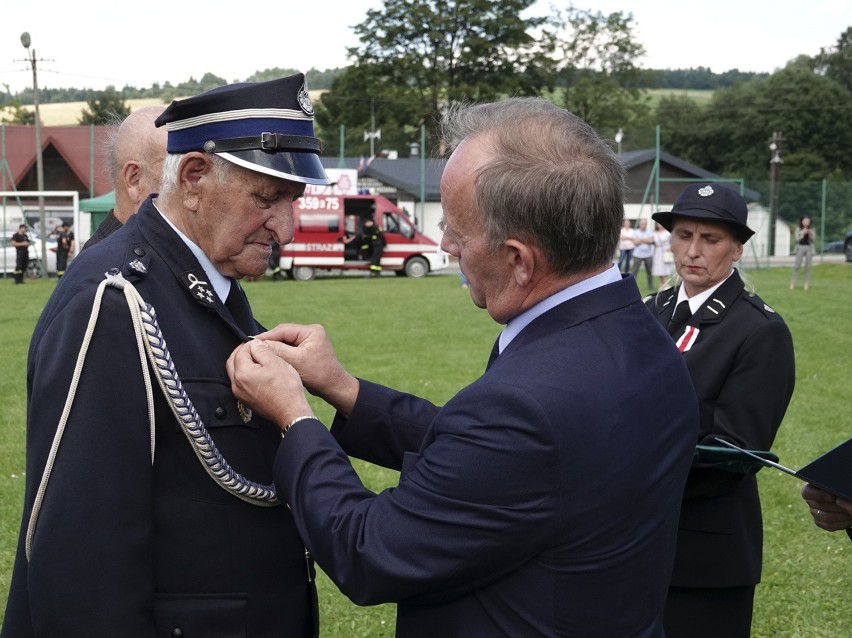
662,264
625,246
156,515
643,253
739,352
136,150
544,495
373,244
21,242
805,239
65,245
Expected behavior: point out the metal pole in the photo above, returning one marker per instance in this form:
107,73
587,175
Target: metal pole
341,163
422,177
25,40
775,164
372,129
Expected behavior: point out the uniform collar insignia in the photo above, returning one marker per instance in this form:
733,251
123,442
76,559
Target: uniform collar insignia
200,289
138,266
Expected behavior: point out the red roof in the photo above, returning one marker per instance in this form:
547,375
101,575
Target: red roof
82,149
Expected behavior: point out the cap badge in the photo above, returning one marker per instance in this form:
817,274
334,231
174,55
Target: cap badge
305,101
706,191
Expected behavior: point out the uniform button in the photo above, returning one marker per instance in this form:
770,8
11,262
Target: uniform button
139,252
220,413
177,633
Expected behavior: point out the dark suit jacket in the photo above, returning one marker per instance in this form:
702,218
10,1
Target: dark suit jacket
124,547
107,227
743,369
540,500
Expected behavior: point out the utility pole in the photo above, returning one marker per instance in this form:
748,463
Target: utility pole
774,170
373,134
25,41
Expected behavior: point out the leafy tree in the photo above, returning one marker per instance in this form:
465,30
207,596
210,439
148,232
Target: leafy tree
103,110
360,96
598,68
731,136
427,53
836,61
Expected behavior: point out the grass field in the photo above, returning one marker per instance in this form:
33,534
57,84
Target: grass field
424,336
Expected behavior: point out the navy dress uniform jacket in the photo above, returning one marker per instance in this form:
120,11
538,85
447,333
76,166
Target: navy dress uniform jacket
541,500
124,547
743,369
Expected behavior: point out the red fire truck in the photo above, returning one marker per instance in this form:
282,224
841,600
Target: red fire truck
322,221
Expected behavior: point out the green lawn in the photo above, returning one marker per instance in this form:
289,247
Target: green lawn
424,336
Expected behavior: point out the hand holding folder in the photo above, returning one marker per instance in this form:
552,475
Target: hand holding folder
831,472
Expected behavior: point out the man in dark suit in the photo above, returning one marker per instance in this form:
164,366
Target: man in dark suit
739,353
543,498
149,506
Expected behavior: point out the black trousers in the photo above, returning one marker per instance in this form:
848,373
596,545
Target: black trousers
61,261
711,612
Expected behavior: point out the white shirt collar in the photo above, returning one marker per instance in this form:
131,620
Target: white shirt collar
220,283
516,324
698,300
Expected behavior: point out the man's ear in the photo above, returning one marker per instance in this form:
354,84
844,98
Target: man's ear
193,170
522,260
131,174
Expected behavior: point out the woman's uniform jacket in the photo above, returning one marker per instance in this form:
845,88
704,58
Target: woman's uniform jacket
743,369
541,500
124,547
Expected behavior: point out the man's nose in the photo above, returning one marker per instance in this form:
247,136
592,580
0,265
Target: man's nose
281,222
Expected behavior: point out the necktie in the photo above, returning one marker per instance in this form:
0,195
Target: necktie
238,306
495,352
681,315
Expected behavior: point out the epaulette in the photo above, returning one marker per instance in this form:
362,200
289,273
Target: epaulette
760,304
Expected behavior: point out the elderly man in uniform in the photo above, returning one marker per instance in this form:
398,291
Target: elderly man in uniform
149,508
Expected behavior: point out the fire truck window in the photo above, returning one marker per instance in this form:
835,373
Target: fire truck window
319,223
396,224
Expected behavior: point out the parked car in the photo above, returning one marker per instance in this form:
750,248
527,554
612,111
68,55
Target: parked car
34,268
835,246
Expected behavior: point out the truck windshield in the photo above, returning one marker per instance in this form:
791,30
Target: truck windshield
396,224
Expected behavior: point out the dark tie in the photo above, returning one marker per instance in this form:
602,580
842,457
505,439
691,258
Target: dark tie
495,352
238,306
681,315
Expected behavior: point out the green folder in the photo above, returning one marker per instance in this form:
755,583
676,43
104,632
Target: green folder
730,460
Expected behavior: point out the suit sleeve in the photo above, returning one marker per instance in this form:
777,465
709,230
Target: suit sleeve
387,424
91,562
459,517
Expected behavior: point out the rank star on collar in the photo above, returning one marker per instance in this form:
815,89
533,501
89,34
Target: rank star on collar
200,289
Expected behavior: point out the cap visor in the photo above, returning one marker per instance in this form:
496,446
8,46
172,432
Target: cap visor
305,168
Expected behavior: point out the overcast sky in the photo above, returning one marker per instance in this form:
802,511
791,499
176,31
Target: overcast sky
94,43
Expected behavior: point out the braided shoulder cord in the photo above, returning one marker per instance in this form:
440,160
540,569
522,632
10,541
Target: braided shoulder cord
150,341
183,409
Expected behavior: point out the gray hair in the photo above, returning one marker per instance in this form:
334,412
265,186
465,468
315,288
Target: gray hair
551,180
171,165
